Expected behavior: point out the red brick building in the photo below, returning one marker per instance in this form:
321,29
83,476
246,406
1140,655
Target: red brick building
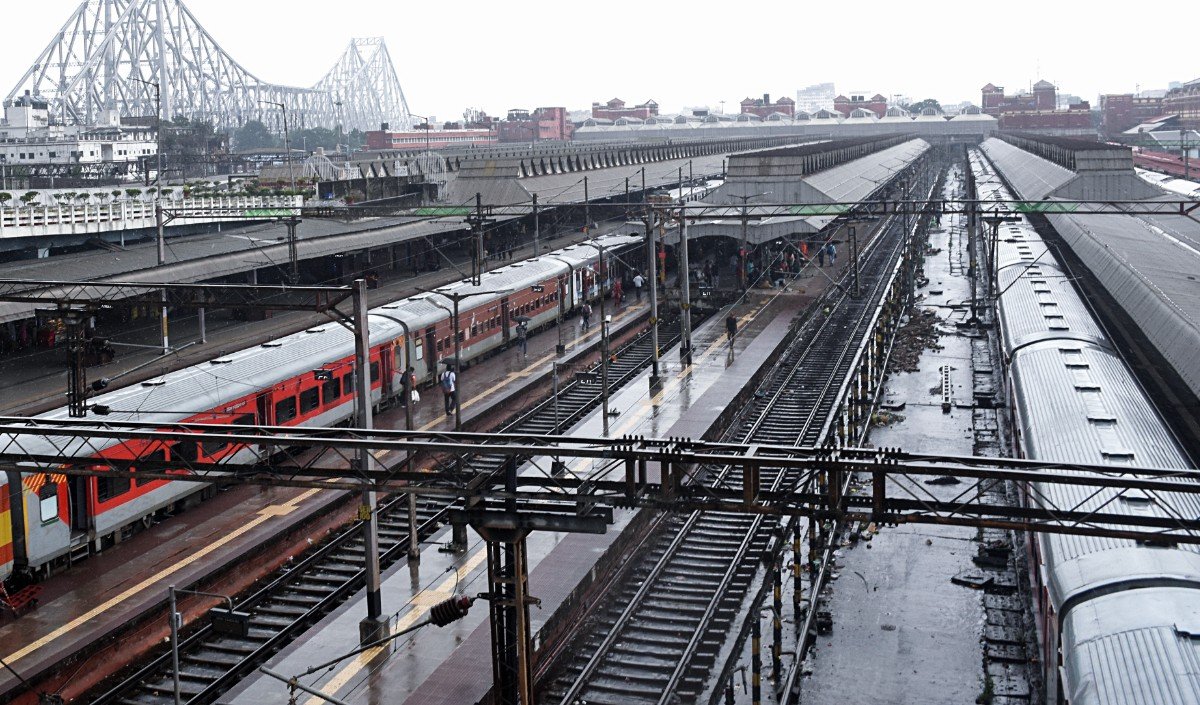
1184,102
615,109
543,124
1043,97
1121,111
763,106
876,104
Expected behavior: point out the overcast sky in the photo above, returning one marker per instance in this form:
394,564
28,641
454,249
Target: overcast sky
498,55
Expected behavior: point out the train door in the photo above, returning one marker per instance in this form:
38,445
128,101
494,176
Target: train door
431,356
389,383
560,295
78,501
505,316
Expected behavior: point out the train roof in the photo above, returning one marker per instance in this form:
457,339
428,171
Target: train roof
1139,647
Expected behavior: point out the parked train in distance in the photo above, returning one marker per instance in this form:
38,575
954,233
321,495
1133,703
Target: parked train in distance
49,519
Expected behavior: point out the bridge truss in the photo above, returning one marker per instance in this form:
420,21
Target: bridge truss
110,55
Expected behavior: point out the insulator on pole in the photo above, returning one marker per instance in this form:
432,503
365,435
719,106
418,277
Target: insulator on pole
450,610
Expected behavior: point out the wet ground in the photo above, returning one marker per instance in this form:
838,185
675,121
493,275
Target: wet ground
902,631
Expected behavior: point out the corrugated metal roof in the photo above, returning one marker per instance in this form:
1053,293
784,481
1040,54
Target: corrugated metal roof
1134,648
1151,266
1034,178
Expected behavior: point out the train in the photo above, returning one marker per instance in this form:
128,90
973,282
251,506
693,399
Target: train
49,519
1114,616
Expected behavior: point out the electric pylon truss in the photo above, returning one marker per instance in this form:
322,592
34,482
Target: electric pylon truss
112,55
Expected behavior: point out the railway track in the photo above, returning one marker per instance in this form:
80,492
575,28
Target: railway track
295,598
662,640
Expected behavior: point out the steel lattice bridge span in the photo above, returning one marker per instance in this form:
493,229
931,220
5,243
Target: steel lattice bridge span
112,54
636,472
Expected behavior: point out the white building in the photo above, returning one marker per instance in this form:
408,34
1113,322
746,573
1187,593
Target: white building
815,97
28,136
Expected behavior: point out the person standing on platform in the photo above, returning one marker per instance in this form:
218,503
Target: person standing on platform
638,281
585,314
832,252
731,327
821,256
523,338
618,293
449,383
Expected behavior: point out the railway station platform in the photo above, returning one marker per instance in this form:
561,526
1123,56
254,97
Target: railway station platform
130,580
34,380
452,664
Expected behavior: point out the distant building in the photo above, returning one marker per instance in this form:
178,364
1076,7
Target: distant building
815,97
543,124
995,102
1184,101
615,109
859,101
29,136
1037,111
763,107
1121,111
429,139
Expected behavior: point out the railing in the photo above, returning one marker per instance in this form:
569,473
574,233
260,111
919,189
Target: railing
93,219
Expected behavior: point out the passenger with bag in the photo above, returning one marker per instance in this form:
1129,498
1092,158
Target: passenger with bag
449,384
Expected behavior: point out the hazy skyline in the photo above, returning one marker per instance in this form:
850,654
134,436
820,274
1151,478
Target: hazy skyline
496,57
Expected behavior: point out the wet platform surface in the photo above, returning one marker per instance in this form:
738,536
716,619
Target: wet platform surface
102,593
902,632
453,664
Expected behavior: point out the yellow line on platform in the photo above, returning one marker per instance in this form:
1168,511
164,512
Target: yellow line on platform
421,603
264,514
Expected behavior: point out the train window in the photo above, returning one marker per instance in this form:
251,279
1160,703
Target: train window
212,448
310,399
111,487
347,384
48,502
285,410
331,390
243,420
418,351
374,371
184,451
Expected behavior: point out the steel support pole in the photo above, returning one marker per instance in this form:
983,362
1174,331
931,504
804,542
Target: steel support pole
797,582
508,584
414,536
742,275
651,262
554,378
685,294
537,231
293,256
854,260
601,274
756,661
162,259
457,370
203,328
777,623
173,616
371,628
587,218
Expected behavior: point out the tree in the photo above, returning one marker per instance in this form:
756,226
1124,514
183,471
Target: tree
255,135
5,197
116,193
133,192
917,107
29,197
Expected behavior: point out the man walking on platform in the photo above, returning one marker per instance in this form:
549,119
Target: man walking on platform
638,281
449,383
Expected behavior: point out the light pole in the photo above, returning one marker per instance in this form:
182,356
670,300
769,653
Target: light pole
685,290
175,622
160,235
651,253
743,274
287,140
601,273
